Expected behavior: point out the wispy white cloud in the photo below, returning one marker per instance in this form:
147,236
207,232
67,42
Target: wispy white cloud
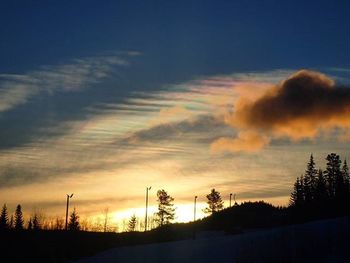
17,89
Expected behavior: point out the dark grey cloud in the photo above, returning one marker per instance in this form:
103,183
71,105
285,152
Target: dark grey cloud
200,129
305,97
306,105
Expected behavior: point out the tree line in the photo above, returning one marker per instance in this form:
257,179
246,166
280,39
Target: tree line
17,222
322,188
165,215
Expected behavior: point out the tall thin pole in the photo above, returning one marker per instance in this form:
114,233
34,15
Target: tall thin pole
68,197
147,188
67,212
230,199
194,212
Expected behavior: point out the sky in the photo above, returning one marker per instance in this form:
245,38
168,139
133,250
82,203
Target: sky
104,98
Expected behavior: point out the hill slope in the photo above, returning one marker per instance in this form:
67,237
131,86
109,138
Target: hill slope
320,241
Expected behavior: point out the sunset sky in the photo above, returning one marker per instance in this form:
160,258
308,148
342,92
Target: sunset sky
104,98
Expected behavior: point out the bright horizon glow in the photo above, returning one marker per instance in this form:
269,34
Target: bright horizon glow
184,212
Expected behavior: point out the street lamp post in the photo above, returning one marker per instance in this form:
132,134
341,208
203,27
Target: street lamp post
68,197
230,199
194,212
147,189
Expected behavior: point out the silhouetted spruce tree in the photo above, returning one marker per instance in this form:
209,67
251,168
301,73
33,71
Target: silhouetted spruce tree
346,176
11,222
345,170
4,220
294,200
214,202
166,211
132,224
297,196
302,190
30,224
19,218
307,189
321,192
332,174
36,223
310,180
73,224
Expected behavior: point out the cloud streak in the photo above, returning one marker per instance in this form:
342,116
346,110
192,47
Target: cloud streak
17,89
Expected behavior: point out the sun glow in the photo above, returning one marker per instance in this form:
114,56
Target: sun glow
183,213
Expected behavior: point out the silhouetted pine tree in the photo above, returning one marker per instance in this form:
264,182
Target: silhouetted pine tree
321,192
73,224
294,200
11,222
297,196
307,189
326,192
166,211
4,220
332,174
310,180
214,202
30,224
302,190
132,224
19,218
346,176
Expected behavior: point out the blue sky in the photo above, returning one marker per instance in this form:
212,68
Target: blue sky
178,39
97,89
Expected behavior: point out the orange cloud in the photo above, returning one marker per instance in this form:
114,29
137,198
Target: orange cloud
247,141
304,106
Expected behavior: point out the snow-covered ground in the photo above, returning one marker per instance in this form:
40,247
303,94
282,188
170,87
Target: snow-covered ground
321,241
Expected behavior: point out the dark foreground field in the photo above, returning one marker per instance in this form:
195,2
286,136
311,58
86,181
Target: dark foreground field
62,246
319,241
247,230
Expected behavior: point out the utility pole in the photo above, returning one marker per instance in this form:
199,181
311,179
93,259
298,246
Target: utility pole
147,189
194,212
230,199
68,197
